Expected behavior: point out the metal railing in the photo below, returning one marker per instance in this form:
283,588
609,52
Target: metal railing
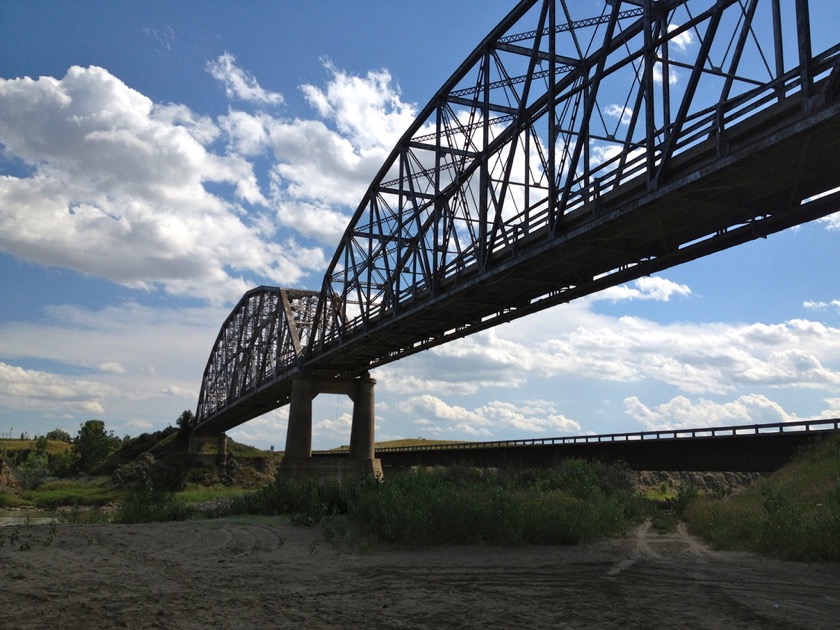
832,424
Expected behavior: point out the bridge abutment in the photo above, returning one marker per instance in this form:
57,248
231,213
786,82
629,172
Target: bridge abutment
210,448
298,461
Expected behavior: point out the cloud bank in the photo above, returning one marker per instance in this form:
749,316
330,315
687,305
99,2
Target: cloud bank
101,180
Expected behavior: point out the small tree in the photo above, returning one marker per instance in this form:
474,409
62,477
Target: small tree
59,435
41,445
92,445
186,421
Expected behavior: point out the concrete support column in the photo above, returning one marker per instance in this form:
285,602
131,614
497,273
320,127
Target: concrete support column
221,449
210,448
299,431
361,432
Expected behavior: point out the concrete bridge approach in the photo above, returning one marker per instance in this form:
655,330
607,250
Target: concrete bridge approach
760,448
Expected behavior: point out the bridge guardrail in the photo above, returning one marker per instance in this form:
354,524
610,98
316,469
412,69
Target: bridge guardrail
676,434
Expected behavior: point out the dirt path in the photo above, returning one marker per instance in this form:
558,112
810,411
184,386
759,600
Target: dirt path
223,574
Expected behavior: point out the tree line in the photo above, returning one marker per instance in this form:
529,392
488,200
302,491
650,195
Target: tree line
89,449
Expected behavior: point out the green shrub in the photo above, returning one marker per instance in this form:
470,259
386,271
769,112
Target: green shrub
34,470
426,508
562,505
686,495
145,504
305,501
794,513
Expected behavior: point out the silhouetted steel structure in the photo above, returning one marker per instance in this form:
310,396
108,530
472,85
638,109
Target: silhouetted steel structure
581,145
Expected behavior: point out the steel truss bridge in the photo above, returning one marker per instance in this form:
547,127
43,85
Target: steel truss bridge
583,144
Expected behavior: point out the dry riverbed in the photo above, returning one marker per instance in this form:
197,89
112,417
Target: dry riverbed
262,573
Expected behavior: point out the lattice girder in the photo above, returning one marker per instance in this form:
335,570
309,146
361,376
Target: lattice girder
556,108
262,339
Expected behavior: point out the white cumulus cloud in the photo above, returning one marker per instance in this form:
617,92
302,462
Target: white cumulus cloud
118,189
239,83
682,412
437,417
35,389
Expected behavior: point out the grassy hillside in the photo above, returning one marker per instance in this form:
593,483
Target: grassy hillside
414,442
29,479
404,443
794,513
54,447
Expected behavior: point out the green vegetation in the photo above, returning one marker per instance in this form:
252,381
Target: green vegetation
55,455
574,502
35,461
49,445
196,494
145,504
11,501
97,470
93,445
794,513
88,492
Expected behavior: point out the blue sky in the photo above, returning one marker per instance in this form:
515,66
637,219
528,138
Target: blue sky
160,158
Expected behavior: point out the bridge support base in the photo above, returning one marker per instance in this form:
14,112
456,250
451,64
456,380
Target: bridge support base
298,461
208,448
335,468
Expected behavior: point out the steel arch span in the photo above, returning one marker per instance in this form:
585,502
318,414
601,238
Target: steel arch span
581,145
261,341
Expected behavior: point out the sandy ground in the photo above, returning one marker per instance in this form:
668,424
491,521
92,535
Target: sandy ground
265,574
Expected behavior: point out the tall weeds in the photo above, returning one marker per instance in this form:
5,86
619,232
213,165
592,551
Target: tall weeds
794,513
574,502
145,504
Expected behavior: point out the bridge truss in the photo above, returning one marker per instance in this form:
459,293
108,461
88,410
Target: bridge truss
264,335
581,145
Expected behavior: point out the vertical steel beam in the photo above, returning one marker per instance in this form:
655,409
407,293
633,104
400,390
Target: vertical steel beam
484,170
553,201
648,90
778,42
803,30
291,326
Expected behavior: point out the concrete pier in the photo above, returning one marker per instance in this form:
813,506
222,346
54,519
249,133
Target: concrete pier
210,448
298,461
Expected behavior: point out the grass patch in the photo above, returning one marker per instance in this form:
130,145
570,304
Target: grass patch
54,447
91,492
794,513
83,515
664,521
8,500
